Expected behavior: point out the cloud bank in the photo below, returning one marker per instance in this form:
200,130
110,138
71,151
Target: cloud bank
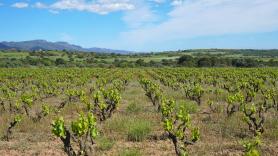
194,18
149,23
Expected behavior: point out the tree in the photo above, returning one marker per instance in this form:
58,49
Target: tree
60,61
140,62
186,60
204,62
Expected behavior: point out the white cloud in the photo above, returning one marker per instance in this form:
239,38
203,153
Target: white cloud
98,6
158,1
140,16
194,18
20,5
40,5
177,2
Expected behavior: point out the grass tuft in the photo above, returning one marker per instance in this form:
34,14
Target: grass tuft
138,130
133,108
130,152
104,143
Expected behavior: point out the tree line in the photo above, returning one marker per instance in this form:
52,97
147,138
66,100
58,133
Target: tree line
183,61
188,58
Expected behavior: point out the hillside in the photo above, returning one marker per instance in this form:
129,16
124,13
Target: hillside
35,45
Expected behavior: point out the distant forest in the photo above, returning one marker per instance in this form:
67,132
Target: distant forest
181,58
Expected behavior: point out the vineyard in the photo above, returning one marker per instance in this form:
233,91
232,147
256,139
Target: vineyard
133,112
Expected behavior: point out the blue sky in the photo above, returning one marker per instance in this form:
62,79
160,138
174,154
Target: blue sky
143,25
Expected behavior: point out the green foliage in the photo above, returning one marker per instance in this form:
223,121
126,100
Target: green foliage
27,99
195,134
236,98
85,124
106,102
176,120
18,118
235,103
17,104
83,132
58,128
186,58
113,96
60,61
183,115
251,93
191,107
251,146
194,92
45,109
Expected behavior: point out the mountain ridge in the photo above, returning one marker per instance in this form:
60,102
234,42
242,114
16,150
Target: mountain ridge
35,45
